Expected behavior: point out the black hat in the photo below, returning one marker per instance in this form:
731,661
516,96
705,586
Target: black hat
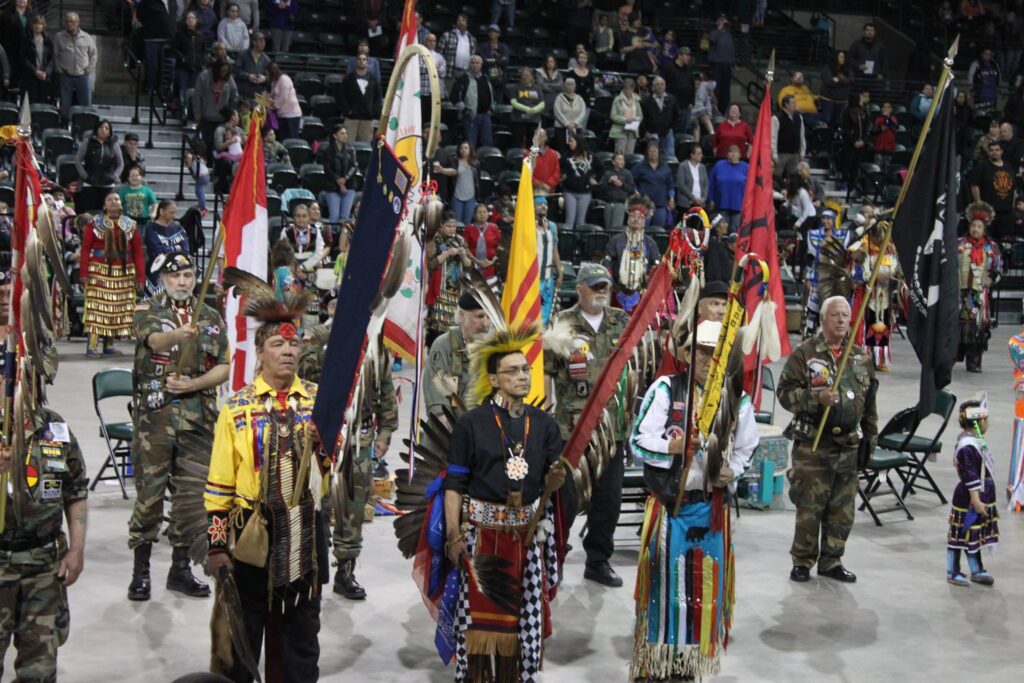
171,263
468,302
129,137
715,288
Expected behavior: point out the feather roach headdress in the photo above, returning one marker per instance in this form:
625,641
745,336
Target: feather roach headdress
980,211
500,341
278,317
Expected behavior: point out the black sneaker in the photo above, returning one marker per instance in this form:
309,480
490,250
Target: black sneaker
800,574
603,574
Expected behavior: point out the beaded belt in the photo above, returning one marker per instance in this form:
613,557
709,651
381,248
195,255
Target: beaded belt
499,516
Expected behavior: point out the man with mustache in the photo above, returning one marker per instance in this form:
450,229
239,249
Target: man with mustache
181,357
572,366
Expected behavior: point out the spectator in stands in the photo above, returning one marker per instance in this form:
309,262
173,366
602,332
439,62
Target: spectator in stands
360,100
138,201
273,151
282,16
474,98
286,102
208,20
692,179
35,62
602,37
249,13
464,170
162,235
921,102
196,163
703,106
855,129
99,162
232,31
654,180
668,49
74,54
732,130
835,88
1012,40
803,169
372,63
482,239
503,10
579,177
14,29
215,90
971,9
726,184
430,42
1013,150
549,262
637,45
801,208
991,135
131,157
190,51
228,142
867,55
570,113
641,87
251,68
679,77
157,31
495,56
584,77
627,115
340,167
661,113
219,53
457,46
615,188
884,143
964,115
527,106
789,139
551,83
992,181
983,75
805,103
546,167
722,57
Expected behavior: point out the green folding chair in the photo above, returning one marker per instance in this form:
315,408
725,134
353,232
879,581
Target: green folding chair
113,383
767,384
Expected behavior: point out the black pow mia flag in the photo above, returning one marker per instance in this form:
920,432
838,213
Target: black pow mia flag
924,233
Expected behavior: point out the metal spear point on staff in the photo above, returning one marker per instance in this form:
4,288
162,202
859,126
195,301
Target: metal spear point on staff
945,78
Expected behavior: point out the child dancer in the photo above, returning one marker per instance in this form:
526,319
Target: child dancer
973,517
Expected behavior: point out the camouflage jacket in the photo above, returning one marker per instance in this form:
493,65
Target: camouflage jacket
379,412
812,368
311,358
574,376
448,362
152,367
55,473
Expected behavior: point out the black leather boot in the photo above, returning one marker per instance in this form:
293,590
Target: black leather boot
180,577
345,583
139,588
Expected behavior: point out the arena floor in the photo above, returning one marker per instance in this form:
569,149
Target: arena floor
899,622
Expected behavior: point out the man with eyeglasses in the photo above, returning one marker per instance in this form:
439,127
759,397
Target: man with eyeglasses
578,344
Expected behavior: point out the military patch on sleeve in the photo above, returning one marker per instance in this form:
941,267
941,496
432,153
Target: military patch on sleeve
51,489
820,373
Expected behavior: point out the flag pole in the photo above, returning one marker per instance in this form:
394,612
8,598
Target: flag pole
945,79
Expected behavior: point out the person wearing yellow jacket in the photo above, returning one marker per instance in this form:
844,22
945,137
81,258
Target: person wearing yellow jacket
267,477
806,101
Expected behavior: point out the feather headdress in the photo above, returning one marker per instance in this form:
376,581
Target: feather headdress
980,211
263,305
497,342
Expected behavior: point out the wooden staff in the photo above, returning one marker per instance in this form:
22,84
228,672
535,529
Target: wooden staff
944,81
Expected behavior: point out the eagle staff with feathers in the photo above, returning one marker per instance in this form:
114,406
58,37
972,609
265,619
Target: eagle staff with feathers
41,463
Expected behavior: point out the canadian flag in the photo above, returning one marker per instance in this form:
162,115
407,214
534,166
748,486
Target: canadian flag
246,245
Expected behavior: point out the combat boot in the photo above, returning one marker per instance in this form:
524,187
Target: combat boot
139,588
180,577
345,583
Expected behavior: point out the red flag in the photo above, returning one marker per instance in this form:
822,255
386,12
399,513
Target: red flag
757,234
27,195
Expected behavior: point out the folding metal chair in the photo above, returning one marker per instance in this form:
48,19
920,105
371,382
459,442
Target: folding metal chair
113,383
871,476
901,435
767,384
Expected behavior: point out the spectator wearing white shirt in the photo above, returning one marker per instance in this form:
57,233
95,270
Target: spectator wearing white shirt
692,180
232,31
800,205
457,46
430,42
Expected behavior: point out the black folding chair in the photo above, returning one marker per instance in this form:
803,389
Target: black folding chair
901,434
113,383
767,384
871,476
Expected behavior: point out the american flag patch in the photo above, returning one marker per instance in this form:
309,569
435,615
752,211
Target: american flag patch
401,182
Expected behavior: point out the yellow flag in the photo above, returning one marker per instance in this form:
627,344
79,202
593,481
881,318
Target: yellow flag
520,299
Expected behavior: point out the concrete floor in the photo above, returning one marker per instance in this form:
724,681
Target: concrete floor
901,621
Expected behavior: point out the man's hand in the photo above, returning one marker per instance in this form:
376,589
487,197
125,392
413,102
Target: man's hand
828,397
180,384
215,561
676,445
71,566
555,477
455,551
186,333
726,477
341,185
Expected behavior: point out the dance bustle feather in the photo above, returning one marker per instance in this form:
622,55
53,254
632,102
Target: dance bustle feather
478,288
47,232
262,303
431,457
833,275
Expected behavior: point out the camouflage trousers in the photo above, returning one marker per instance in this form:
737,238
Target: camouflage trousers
349,511
823,486
158,467
34,610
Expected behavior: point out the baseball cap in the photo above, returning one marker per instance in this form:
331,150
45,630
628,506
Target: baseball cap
590,274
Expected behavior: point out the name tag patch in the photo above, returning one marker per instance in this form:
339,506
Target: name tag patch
51,489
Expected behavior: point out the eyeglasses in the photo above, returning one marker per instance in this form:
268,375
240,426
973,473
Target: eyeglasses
512,372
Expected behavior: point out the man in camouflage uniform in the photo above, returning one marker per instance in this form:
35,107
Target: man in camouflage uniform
314,342
572,367
37,561
823,483
367,441
168,405
447,376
